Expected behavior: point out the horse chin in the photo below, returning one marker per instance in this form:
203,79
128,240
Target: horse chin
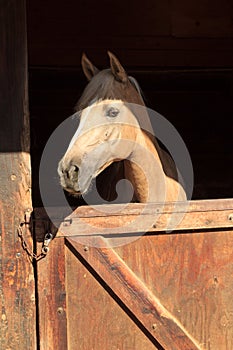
83,190
73,193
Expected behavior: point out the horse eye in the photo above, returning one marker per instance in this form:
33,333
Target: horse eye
112,112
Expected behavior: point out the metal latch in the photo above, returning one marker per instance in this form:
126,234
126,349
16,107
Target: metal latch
47,239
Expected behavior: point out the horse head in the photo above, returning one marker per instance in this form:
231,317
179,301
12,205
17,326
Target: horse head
115,129
105,120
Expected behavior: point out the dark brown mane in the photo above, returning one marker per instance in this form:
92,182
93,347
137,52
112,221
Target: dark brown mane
104,86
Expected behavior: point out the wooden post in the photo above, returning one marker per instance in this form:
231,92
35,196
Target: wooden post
17,289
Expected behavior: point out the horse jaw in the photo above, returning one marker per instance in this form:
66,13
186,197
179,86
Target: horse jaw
95,163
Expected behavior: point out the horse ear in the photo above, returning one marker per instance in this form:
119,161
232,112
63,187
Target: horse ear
88,68
117,69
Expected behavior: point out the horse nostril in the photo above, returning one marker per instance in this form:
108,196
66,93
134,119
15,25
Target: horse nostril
73,172
69,172
75,168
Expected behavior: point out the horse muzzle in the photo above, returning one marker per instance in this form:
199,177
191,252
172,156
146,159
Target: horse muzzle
69,177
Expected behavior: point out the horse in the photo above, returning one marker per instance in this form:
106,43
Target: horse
111,142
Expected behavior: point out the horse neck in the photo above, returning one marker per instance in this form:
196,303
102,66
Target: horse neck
144,168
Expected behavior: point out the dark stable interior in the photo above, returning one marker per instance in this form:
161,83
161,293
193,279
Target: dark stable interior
181,54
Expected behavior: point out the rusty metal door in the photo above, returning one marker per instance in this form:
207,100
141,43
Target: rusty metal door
164,290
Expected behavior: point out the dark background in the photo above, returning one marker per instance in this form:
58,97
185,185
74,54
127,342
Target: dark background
181,53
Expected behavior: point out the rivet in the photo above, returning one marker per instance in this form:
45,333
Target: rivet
230,217
154,326
18,255
67,222
86,249
60,310
13,177
154,226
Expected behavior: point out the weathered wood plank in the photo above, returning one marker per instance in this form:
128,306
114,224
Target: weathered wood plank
52,298
135,218
138,218
95,319
190,274
134,294
184,276
17,289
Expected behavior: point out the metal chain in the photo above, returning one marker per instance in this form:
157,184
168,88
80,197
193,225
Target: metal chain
44,250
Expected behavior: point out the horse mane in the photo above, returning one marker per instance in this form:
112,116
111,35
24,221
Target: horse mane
104,86
136,85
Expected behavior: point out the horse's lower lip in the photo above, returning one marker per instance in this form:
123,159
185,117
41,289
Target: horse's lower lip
78,192
72,191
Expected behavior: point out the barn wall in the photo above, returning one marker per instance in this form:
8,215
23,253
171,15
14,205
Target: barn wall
180,52
17,293
150,34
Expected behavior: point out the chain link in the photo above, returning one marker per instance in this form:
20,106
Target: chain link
44,250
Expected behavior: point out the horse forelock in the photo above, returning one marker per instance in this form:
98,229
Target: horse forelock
104,86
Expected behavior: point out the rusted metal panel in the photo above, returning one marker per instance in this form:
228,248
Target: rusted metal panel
17,289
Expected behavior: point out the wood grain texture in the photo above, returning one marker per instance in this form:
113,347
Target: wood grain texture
146,307
17,288
191,276
140,218
95,320
171,290
135,218
52,298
